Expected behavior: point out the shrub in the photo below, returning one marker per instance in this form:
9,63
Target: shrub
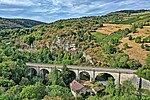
138,39
142,46
133,28
130,37
126,45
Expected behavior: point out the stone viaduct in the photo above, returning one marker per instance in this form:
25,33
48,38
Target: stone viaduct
119,75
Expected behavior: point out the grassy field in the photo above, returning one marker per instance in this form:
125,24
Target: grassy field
103,38
99,36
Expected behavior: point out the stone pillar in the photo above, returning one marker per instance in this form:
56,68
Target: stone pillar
118,80
50,69
38,70
140,83
77,74
92,75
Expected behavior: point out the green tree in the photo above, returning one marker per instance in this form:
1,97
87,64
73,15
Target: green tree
138,39
56,90
67,75
130,37
126,45
134,64
148,61
6,82
110,87
13,92
142,46
36,91
55,78
133,28
24,81
109,48
29,39
4,97
19,71
127,87
60,57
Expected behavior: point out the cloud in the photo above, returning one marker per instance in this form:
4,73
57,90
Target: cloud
51,10
127,2
16,2
13,9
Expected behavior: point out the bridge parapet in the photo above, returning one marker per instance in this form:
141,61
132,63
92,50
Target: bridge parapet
87,68
119,75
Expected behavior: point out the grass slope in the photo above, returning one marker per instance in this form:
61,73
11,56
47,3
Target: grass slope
99,36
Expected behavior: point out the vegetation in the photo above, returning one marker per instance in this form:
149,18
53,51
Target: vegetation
138,39
6,23
125,92
68,42
145,70
130,37
99,36
126,45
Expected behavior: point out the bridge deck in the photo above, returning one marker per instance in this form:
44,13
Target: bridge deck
83,68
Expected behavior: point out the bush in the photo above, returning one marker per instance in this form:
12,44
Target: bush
126,45
56,90
142,46
133,28
130,37
138,39
134,64
146,39
36,91
144,72
147,47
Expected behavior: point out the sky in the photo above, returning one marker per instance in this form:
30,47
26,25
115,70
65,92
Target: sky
52,10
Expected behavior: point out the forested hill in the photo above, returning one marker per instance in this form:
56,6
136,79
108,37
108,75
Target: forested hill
6,23
111,40
130,11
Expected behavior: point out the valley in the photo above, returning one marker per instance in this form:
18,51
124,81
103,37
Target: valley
89,58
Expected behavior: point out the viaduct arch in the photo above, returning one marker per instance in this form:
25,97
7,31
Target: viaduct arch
119,75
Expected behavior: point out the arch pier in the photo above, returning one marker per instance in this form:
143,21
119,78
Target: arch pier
119,75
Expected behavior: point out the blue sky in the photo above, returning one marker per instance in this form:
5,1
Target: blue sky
52,10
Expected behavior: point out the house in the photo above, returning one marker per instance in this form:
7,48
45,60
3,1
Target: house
96,89
78,89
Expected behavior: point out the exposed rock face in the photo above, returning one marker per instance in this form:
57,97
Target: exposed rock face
64,44
88,58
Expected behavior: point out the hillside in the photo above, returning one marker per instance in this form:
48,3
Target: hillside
110,28
6,23
130,11
95,40
135,51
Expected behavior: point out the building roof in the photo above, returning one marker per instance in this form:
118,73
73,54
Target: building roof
75,86
98,88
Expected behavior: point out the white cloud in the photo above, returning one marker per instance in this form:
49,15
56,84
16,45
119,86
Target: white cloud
127,2
47,10
17,2
12,9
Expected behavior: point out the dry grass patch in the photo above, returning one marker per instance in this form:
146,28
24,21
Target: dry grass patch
110,28
144,32
136,52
